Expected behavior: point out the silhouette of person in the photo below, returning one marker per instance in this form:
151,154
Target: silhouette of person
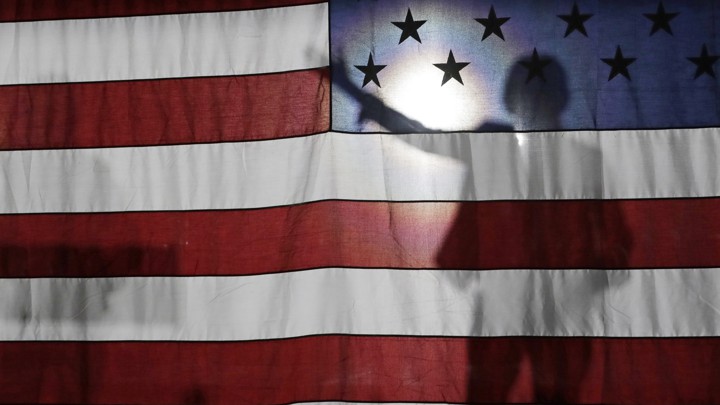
496,365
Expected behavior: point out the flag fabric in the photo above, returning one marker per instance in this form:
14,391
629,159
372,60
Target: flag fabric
292,201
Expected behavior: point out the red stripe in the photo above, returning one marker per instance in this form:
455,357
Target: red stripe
27,10
485,235
157,112
498,370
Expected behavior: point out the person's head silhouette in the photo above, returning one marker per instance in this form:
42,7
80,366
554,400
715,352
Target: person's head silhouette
536,93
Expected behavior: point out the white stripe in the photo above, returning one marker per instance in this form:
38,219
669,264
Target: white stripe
578,165
152,47
621,303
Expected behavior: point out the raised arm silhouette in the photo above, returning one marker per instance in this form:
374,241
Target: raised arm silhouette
372,108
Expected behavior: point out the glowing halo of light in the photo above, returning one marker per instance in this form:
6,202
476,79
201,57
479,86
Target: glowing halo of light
410,77
415,90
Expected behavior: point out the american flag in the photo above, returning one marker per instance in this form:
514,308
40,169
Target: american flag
289,201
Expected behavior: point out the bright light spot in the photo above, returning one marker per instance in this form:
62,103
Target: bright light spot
417,94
